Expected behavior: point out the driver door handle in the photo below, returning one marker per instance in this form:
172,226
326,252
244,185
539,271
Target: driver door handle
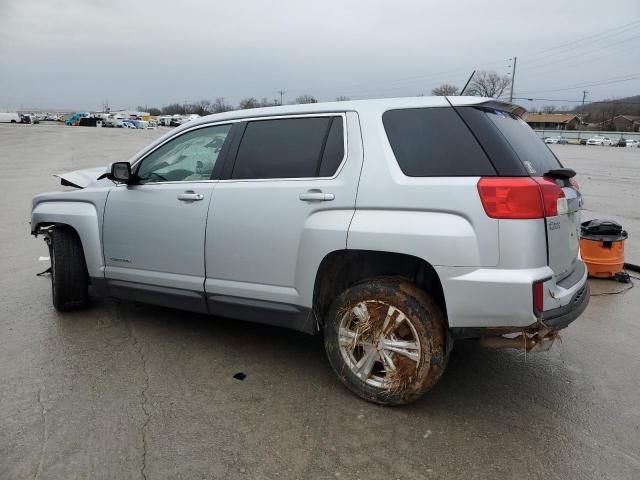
190,196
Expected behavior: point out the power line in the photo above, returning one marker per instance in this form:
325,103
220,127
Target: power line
575,101
558,50
543,70
609,81
585,40
384,83
547,62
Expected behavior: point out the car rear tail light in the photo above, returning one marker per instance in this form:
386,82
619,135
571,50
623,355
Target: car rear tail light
551,193
538,296
519,197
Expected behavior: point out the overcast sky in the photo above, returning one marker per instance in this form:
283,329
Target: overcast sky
77,53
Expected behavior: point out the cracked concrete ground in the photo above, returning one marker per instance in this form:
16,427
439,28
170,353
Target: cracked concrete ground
130,391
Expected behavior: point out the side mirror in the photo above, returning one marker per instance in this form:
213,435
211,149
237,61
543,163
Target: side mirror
118,172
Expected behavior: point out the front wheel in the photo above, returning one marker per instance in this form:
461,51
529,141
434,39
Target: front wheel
385,338
69,278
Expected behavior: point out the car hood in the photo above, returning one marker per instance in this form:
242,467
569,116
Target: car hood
84,178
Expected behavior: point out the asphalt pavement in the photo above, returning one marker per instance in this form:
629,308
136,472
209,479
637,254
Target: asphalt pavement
131,391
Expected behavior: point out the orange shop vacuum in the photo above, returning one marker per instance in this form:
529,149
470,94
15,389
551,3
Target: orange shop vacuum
602,248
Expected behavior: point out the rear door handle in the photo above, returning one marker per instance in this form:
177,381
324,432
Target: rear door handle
316,196
190,196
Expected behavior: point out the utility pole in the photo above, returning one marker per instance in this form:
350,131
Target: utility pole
584,95
281,92
513,77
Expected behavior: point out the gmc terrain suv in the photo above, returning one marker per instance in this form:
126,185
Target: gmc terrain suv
392,226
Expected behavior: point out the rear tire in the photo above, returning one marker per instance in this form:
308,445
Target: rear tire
386,340
69,278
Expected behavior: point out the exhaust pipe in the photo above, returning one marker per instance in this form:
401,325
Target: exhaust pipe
538,342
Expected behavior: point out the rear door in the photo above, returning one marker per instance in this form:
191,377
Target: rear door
516,150
290,186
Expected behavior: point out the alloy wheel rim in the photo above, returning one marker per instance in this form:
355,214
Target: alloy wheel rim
379,344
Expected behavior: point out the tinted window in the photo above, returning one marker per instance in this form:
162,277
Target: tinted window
434,142
189,157
333,150
495,145
533,153
282,148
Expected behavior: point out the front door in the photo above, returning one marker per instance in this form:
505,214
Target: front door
154,231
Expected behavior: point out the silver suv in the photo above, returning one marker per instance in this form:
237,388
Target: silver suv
391,226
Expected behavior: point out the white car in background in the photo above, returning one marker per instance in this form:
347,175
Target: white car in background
598,140
552,140
9,117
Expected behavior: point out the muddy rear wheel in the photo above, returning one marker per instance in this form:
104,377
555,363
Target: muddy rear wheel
385,338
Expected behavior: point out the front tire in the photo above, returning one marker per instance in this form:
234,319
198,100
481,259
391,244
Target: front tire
386,340
69,278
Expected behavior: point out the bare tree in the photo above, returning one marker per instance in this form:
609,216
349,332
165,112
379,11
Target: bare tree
250,102
203,107
220,106
488,84
445,89
306,99
342,98
548,109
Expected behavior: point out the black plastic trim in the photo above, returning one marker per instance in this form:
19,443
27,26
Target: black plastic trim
156,295
277,314
561,317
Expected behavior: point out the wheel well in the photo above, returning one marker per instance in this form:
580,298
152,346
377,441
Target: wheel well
343,268
44,225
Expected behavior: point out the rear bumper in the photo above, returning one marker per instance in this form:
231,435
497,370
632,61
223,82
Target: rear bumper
502,300
561,317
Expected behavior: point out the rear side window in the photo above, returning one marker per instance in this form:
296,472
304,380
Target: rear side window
434,142
289,148
533,153
513,145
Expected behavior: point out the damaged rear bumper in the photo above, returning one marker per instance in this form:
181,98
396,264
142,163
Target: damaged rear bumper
536,337
561,317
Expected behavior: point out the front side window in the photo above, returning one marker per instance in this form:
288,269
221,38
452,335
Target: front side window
300,147
189,157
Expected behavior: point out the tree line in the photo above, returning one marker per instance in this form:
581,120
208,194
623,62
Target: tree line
483,83
219,105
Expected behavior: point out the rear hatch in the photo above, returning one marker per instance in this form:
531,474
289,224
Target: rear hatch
516,151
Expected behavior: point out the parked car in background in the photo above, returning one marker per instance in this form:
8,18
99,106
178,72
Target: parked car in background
560,140
9,117
632,143
74,119
583,141
622,142
598,140
253,215
29,118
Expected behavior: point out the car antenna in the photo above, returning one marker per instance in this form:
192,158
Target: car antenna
467,84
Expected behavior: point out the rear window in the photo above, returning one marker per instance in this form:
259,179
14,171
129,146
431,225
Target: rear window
434,142
530,149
